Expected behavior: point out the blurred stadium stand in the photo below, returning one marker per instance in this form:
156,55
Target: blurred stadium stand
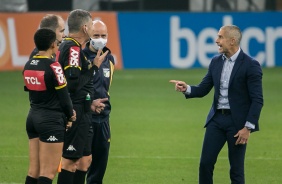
140,5
144,5
13,6
49,5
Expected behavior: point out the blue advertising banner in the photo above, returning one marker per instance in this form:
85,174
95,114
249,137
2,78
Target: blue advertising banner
186,40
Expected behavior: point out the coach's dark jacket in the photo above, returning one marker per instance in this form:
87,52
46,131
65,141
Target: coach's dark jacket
102,81
244,92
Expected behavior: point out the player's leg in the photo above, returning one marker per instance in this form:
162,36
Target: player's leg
33,170
85,161
52,132
50,156
82,167
74,144
67,171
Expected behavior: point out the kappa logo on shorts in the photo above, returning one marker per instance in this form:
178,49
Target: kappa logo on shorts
71,148
74,56
52,138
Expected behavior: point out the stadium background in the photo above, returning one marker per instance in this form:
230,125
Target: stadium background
156,134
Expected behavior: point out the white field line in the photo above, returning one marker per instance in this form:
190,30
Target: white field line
160,157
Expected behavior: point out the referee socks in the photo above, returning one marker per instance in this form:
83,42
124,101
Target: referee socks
79,177
44,180
30,180
65,177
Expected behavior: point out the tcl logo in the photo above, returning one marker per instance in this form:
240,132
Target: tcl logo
34,80
74,56
59,73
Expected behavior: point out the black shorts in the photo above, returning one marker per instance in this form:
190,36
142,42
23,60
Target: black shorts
46,124
78,138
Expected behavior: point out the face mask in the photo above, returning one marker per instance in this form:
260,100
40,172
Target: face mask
98,43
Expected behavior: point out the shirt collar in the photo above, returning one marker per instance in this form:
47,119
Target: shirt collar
234,57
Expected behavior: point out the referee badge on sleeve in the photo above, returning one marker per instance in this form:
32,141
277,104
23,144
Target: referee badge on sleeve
106,72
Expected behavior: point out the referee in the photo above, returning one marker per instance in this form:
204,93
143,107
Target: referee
79,74
50,108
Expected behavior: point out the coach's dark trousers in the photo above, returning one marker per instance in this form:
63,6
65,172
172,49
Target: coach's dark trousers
219,130
100,152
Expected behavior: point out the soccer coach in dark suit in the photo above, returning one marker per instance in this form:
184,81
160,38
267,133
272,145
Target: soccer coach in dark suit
237,103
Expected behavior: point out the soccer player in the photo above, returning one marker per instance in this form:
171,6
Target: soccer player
100,122
50,108
79,74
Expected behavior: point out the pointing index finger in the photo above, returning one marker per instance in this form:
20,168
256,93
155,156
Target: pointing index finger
174,81
103,100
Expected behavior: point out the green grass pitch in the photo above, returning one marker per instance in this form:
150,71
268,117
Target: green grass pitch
156,133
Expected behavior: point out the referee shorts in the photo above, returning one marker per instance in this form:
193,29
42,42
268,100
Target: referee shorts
47,125
78,138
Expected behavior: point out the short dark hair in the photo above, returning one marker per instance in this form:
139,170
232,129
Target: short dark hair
50,21
43,39
78,18
234,31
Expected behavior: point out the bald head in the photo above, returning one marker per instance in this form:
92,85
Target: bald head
100,29
100,25
99,37
98,22
233,31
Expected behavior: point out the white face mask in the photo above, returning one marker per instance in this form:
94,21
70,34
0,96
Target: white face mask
98,43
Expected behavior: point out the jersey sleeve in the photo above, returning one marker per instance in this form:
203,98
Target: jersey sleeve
61,88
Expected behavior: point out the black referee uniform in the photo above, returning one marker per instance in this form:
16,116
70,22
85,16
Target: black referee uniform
79,77
50,103
100,122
